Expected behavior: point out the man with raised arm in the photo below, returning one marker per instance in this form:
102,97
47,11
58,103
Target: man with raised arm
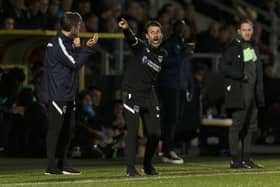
139,95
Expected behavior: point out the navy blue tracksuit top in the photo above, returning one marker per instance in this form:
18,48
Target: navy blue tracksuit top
61,66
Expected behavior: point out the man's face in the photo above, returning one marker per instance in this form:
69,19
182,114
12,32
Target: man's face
75,31
246,31
154,36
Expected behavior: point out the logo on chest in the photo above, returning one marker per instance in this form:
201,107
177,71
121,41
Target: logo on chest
151,64
144,59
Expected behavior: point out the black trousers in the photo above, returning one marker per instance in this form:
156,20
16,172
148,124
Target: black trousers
61,116
172,110
244,124
146,106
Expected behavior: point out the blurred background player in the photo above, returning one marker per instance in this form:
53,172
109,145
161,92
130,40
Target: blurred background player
176,88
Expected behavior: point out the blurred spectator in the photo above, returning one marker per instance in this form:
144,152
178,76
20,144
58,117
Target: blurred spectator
84,7
133,24
119,129
53,14
9,23
17,10
136,10
92,23
13,107
179,12
208,41
175,88
65,6
83,27
94,139
190,19
262,47
108,20
226,35
169,9
87,136
165,20
38,17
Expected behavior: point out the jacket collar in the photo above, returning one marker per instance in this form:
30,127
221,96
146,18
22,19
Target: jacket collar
240,41
65,38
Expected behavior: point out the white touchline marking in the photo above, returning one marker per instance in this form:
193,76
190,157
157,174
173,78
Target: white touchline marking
142,178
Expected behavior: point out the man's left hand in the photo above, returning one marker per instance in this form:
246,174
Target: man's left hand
92,41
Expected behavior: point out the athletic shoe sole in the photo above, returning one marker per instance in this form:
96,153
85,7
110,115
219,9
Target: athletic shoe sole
167,160
47,173
70,173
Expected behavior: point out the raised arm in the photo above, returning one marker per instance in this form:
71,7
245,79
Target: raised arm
80,55
132,40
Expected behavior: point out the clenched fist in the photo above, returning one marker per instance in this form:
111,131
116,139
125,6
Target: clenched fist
123,24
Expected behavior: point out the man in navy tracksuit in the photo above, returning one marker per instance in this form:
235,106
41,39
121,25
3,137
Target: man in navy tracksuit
139,94
64,57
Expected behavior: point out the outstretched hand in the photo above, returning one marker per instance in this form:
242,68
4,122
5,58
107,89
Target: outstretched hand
123,24
92,41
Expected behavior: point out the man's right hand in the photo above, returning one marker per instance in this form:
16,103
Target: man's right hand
123,24
77,42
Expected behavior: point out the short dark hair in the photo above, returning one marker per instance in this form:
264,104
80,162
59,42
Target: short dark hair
178,26
152,23
69,20
244,20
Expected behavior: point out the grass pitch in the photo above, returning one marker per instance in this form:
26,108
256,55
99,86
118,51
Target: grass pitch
202,171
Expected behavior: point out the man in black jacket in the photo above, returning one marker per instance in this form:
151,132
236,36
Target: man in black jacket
176,88
242,69
139,95
64,57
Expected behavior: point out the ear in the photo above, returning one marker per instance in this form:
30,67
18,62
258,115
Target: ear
146,35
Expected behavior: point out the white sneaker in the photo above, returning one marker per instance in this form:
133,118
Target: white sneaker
172,158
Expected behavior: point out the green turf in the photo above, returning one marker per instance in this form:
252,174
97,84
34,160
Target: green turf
205,172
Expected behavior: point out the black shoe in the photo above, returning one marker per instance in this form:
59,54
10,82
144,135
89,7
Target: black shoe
239,165
132,172
172,158
66,169
53,171
150,170
253,164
